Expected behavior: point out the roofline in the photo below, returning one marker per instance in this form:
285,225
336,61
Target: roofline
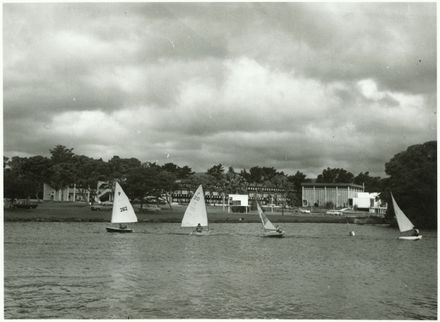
323,184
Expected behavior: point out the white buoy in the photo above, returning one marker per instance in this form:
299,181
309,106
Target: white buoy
352,233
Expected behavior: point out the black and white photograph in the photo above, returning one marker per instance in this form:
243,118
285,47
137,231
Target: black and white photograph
220,160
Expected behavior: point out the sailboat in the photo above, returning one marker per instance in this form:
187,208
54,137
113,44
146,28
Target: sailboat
404,223
122,212
195,214
269,230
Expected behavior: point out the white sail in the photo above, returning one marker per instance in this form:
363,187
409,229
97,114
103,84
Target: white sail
267,225
404,223
196,211
122,210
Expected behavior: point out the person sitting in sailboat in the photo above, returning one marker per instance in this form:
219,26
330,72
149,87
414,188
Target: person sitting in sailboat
278,229
416,232
199,228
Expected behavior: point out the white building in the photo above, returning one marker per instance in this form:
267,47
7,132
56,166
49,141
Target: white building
238,201
68,193
329,195
104,191
369,201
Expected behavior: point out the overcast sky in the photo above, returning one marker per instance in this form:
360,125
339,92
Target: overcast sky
287,85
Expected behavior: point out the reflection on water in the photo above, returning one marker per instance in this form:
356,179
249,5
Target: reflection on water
77,270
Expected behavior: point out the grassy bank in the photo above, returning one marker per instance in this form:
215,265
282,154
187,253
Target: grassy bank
77,212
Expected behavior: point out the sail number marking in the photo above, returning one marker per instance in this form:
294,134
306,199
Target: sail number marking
124,209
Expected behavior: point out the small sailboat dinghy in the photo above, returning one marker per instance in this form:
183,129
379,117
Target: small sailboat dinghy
405,225
195,214
122,213
269,230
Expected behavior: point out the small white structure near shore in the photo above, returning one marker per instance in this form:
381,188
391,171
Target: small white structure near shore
238,201
369,201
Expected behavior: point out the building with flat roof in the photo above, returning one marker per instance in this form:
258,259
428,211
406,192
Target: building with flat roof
329,195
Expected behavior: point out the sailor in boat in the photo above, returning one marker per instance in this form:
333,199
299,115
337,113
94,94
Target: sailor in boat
278,229
415,232
199,228
122,226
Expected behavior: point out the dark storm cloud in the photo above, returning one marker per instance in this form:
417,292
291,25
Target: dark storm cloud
292,85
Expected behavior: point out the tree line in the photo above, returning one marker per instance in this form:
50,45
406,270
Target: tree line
412,178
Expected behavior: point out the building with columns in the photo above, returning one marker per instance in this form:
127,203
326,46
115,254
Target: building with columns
338,195
68,193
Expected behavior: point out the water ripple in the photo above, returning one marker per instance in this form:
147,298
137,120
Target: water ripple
315,272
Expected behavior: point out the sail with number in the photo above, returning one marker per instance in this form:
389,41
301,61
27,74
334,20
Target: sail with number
404,223
267,225
196,211
123,211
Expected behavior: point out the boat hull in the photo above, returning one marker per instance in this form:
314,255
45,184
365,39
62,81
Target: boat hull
411,237
273,234
200,233
118,230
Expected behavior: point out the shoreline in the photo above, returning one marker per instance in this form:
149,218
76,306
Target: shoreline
71,212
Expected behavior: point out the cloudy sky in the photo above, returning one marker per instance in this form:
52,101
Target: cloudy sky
287,85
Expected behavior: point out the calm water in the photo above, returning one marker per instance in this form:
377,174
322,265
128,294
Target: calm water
77,270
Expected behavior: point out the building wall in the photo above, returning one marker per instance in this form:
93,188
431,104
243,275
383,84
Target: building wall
363,200
264,195
267,195
322,194
238,200
104,191
69,193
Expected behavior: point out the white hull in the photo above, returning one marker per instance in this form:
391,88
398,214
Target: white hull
273,234
410,237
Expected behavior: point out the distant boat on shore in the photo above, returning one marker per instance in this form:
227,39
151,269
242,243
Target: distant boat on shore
122,212
405,225
195,215
269,230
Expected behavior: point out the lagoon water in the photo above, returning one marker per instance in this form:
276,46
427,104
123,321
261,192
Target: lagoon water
77,270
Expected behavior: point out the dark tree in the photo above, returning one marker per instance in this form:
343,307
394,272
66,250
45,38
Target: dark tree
37,169
413,182
88,172
372,184
24,177
234,182
216,171
179,172
262,174
246,176
140,182
166,185
61,154
118,167
335,175
296,180
16,183
62,171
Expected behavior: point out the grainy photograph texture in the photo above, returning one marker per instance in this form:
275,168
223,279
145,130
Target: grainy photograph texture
220,160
